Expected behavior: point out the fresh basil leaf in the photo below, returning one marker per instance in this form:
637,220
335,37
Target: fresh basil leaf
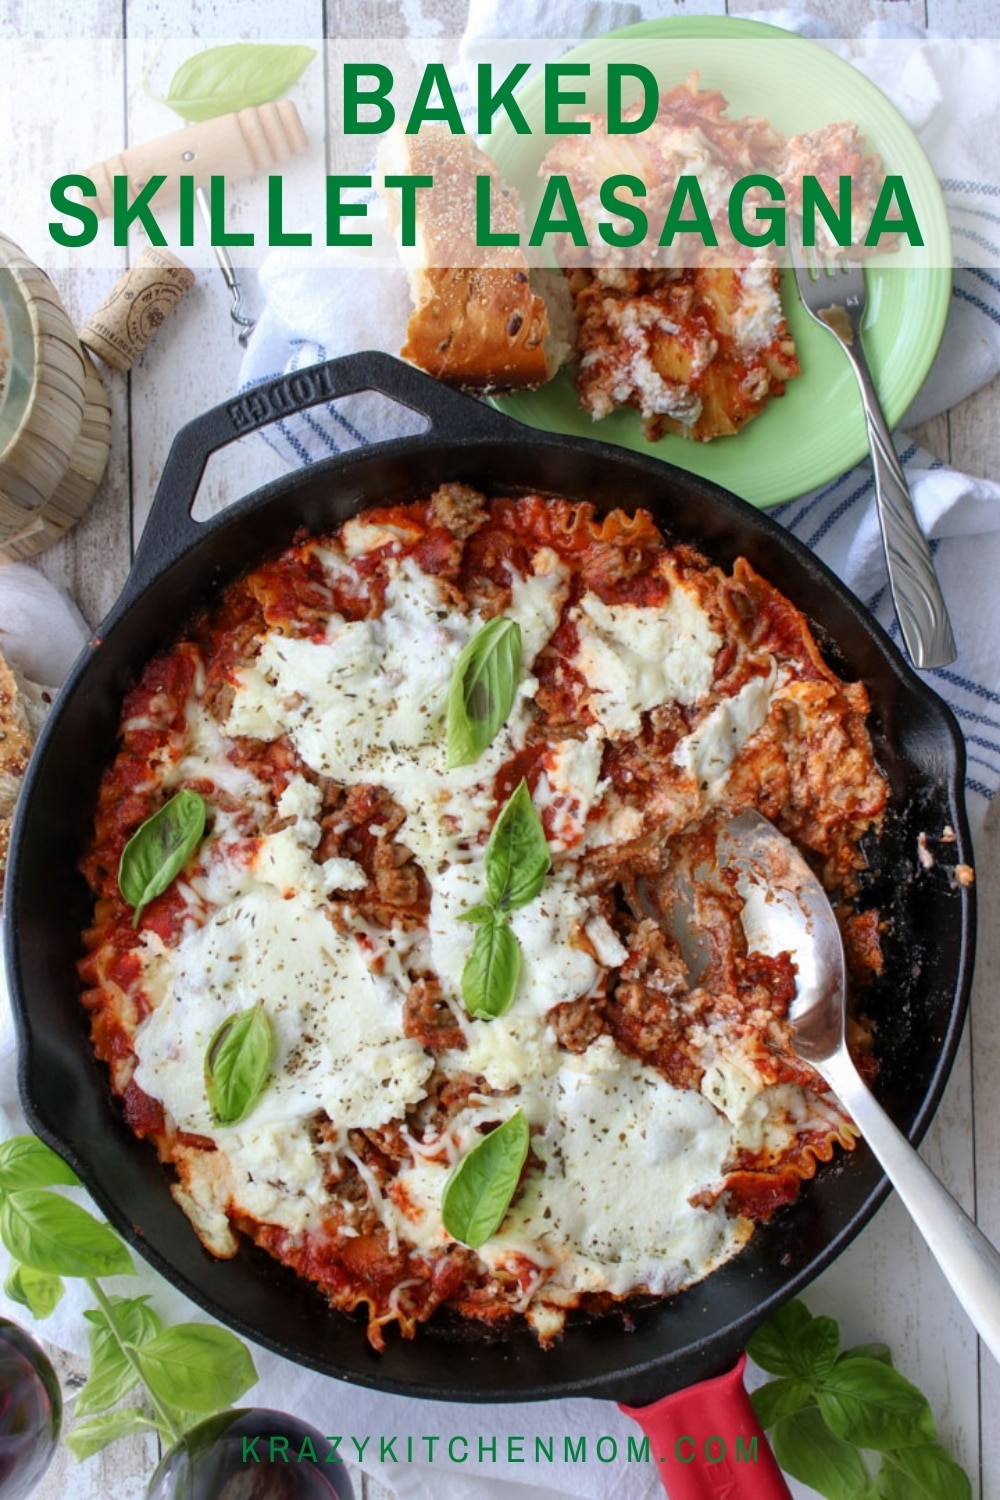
196,1367
26,1162
772,1346
477,1194
476,914
806,1448
779,1398
237,1063
517,856
39,1291
133,1318
222,80
159,849
881,1352
924,1473
481,694
49,1233
814,1352
112,1374
874,1406
91,1436
489,979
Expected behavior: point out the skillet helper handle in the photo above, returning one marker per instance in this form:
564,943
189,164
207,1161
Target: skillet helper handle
170,531
708,1444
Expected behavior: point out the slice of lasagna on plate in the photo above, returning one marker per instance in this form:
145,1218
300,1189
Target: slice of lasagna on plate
692,335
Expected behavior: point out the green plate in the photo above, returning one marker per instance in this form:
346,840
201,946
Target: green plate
816,431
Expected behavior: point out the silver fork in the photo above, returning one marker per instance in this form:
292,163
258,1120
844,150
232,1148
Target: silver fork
834,297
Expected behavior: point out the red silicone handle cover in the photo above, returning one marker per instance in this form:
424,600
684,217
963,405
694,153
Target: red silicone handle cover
708,1443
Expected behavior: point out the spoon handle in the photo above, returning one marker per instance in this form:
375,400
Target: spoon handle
968,1260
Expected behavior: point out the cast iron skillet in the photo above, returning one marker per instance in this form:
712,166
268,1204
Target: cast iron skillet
180,564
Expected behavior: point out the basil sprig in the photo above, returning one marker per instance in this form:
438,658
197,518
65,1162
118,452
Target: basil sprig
477,1194
517,854
237,1062
489,979
517,861
187,1371
238,76
481,694
826,1405
159,849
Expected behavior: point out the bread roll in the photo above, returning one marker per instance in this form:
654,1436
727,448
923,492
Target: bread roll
23,706
481,319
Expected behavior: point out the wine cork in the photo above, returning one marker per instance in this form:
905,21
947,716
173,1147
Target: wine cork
126,321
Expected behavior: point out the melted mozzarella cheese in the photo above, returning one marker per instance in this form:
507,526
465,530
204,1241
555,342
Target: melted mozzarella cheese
359,536
686,149
570,786
337,1026
276,1175
766,1118
606,1125
710,749
368,703
511,1051
555,966
635,657
284,859
285,862
615,1123
205,760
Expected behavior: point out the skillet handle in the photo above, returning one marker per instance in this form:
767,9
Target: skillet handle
708,1443
170,530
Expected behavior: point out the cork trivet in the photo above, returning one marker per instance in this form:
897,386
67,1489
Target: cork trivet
126,321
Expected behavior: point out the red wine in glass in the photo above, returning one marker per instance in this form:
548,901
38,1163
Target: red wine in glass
251,1454
30,1412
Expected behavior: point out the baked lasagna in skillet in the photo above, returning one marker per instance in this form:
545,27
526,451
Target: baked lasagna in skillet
406,1015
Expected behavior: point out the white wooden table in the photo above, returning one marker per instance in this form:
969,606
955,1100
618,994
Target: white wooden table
886,1286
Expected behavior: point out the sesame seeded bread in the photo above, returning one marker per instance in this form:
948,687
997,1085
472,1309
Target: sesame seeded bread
15,747
481,329
23,709
481,320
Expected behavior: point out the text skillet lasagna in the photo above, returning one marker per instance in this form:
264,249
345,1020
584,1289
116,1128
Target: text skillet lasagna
408,1014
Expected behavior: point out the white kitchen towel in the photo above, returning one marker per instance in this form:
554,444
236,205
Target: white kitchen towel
41,630
316,314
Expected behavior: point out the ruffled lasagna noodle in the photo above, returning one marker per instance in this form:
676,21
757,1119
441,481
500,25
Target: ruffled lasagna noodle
667,1110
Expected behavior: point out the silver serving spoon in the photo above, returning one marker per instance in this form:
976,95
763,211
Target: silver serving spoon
786,911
